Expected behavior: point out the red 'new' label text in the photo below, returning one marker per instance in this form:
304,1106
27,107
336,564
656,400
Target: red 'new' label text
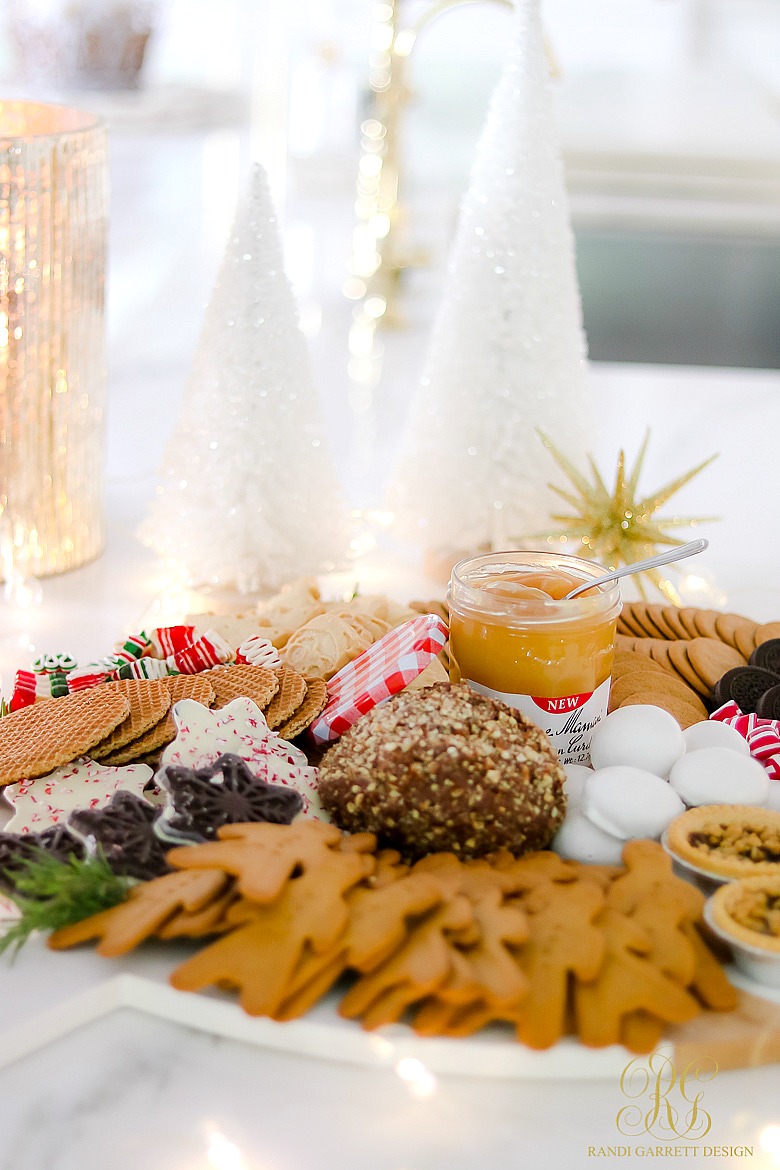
561,705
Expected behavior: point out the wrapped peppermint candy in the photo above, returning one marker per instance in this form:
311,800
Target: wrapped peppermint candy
169,640
93,673
257,651
762,735
52,685
134,648
210,649
87,676
25,682
50,672
143,668
54,663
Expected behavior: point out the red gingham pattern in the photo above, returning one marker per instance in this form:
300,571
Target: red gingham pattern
379,672
762,735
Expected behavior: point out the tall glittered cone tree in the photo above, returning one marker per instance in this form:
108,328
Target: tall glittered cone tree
507,352
249,496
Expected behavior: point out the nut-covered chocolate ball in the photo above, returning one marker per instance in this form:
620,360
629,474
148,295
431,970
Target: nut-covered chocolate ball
445,768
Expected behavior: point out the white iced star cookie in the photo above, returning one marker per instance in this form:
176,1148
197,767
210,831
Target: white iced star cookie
240,728
84,783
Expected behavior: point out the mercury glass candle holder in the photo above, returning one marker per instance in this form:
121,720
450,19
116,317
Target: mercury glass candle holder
53,227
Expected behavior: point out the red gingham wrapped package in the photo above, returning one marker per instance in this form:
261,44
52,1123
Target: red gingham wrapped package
379,672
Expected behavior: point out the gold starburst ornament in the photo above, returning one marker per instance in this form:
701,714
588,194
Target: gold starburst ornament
619,527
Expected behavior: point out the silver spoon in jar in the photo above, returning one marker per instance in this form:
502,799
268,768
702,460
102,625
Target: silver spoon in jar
672,554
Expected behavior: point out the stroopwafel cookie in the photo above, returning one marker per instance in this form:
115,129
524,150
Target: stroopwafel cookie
314,704
37,739
178,686
287,700
149,701
242,682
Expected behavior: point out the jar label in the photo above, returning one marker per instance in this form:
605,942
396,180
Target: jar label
569,720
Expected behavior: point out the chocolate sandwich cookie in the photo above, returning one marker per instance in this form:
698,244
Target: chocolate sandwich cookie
744,685
767,656
768,706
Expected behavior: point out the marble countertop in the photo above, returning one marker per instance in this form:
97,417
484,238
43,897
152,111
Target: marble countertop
91,1077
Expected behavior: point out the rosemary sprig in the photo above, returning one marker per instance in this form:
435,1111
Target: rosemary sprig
51,893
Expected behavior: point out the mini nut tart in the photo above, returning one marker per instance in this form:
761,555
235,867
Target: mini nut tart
748,911
730,840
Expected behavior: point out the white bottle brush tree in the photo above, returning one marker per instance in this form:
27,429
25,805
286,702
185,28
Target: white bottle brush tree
507,352
249,496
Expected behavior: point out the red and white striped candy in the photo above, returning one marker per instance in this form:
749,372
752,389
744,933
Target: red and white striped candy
168,640
142,668
762,735
209,650
24,689
134,648
257,651
85,677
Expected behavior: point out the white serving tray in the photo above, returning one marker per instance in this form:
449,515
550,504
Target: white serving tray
46,995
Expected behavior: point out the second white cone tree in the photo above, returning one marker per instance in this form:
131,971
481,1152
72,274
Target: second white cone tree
507,352
249,496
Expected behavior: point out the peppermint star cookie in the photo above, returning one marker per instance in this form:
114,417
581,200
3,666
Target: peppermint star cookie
84,783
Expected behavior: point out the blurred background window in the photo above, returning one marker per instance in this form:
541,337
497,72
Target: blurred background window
669,118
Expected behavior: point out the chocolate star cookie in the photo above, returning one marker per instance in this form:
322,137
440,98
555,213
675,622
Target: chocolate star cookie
18,849
123,831
223,793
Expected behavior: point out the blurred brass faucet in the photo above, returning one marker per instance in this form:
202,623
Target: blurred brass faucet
379,255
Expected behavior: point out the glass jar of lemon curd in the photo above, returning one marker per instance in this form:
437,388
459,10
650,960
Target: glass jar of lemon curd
514,636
